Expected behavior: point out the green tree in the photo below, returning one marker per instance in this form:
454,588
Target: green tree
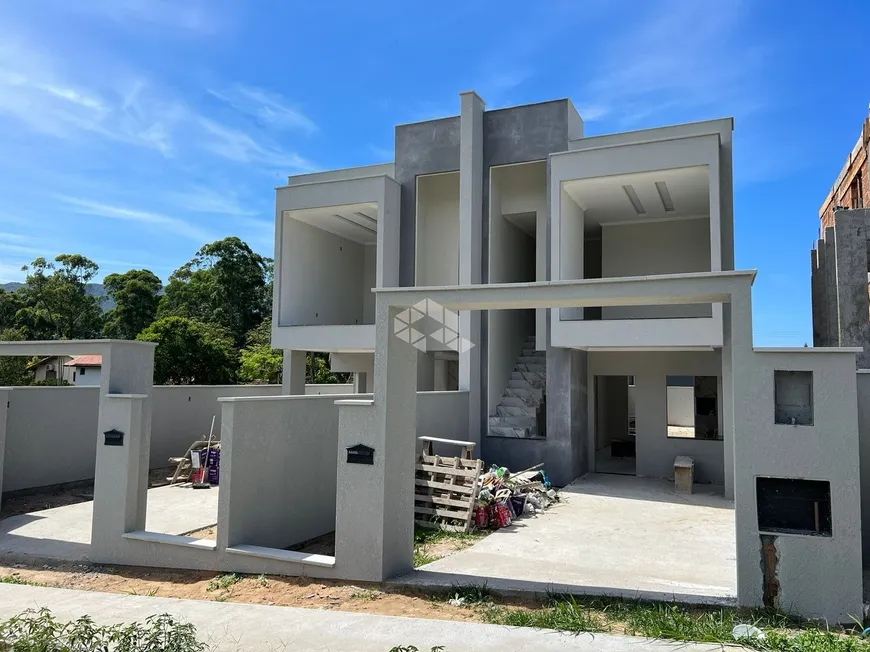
225,284
190,352
13,369
260,363
136,295
10,304
56,304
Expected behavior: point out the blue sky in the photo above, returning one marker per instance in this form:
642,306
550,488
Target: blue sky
133,131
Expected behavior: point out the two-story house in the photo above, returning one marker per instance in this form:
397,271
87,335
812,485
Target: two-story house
555,205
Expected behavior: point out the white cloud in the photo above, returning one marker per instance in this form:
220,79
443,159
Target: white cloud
269,108
237,145
165,223
188,15
208,200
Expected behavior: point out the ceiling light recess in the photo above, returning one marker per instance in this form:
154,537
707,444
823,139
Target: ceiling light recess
634,199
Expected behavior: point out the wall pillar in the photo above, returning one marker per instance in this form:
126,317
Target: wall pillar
830,282
819,300
471,174
293,379
374,520
121,472
5,397
359,382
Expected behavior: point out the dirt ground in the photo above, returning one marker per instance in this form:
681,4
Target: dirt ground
16,505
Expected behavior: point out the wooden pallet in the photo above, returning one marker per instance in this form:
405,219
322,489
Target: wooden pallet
446,488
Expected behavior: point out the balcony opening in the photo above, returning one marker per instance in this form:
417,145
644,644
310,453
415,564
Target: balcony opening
437,248
330,263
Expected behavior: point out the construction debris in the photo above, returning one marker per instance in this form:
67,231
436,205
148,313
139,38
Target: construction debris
504,496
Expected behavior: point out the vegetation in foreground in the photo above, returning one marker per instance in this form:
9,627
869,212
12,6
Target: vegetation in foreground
428,543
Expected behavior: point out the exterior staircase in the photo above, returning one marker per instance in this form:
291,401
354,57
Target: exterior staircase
518,411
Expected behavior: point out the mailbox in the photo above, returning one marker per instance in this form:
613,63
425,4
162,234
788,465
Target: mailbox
360,454
113,438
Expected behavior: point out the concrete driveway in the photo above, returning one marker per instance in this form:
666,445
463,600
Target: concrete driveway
64,533
611,535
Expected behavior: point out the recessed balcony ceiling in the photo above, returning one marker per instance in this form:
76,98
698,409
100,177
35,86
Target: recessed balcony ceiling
661,194
355,222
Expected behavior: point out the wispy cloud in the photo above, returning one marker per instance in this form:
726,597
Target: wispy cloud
201,199
188,15
237,145
676,56
165,223
268,108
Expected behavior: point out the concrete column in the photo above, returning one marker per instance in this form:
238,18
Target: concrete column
831,287
121,473
374,519
5,397
853,306
359,382
727,401
471,249
293,380
739,344
819,299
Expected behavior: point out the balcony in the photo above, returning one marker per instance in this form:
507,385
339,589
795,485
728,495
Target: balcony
336,240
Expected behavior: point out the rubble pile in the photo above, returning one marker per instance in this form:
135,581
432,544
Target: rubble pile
506,496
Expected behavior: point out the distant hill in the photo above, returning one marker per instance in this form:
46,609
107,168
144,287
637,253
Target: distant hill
94,289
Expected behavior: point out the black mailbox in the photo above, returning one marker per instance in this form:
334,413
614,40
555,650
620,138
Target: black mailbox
360,454
113,437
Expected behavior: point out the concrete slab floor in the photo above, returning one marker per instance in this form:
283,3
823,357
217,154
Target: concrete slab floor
238,627
611,535
64,533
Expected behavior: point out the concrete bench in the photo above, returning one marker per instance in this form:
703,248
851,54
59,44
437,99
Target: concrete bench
684,474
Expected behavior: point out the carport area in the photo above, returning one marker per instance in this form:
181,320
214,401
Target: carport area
610,535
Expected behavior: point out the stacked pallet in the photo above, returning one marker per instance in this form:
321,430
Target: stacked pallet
446,488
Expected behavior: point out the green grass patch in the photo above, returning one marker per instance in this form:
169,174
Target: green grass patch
223,582
14,579
425,539
365,594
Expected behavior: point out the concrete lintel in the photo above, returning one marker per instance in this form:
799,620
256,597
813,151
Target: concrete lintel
847,350
66,347
702,287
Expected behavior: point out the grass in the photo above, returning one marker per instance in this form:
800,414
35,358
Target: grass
365,594
262,580
426,538
40,631
14,579
675,622
223,582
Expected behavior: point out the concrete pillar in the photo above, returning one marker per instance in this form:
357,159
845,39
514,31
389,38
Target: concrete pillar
831,287
293,380
5,397
359,382
819,299
374,519
853,306
471,174
121,473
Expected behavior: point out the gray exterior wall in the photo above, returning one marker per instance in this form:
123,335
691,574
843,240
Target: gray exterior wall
863,383
655,450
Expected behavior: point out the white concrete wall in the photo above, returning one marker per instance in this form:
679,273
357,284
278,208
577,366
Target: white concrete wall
655,450
369,281
91,377
657,248
322,280
571,254
51,432
863,382
681,406
437,258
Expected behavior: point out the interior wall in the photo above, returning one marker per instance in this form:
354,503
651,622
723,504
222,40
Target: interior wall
571,248
681,406
369,281
655,450
437,259
320,282
668,247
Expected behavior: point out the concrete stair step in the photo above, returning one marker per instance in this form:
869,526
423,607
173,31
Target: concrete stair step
522,395
515,401
531,351
521,383
540,368
516,433
523,392
536,379
513,422
515,411
532,359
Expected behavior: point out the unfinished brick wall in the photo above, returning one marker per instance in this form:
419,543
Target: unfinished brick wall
852,186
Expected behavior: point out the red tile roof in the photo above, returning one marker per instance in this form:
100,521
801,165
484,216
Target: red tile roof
85,361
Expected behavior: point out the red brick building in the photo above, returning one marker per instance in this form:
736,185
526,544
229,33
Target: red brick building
852,187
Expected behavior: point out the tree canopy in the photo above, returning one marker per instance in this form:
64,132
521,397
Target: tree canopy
190,353
136,295
226,283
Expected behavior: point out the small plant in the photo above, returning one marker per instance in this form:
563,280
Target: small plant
414,648
471,594
223,582
15,579
262,580
365,594
40,631
422,557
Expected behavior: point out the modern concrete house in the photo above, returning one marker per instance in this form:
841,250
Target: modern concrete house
579,389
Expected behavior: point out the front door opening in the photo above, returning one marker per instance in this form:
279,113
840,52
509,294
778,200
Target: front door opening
615,450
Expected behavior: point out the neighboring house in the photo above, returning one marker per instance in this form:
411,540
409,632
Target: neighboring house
555,205
52,369
851,188
86,370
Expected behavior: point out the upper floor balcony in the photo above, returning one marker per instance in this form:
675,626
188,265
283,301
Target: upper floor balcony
336,238
647,203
